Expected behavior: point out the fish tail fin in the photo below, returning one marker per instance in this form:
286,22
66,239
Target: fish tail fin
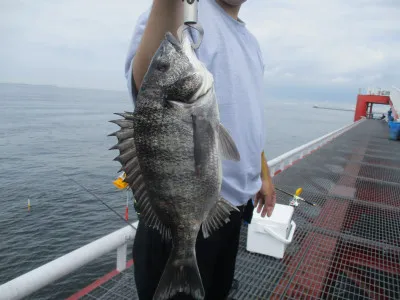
180,276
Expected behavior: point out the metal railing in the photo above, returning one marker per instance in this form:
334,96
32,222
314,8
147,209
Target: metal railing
36,279
284,161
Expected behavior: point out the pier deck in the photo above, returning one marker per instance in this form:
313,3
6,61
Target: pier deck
346,248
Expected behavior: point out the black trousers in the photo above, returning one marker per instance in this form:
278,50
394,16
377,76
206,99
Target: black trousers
216,257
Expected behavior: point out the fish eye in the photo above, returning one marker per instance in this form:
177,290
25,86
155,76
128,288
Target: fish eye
163,66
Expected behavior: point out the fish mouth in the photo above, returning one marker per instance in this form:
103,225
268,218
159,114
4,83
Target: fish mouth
202,80
173,41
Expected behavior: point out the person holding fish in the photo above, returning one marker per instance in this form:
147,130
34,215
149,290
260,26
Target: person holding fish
198,263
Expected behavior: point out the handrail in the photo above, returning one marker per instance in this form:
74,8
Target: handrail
40,277
285,160
373,91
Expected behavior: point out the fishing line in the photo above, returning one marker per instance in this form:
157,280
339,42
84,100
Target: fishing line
98,198
278,189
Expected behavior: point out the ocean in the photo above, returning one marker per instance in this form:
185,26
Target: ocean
50,135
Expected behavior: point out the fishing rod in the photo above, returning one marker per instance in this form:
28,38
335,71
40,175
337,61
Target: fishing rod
296,196
97,197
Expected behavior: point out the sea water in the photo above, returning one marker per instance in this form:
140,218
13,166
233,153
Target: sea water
50,135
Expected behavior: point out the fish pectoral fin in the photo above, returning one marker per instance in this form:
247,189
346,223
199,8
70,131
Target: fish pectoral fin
217,217
203,138
227,146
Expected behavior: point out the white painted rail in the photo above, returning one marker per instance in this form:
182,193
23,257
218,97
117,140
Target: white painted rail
36,279
373,91
284,161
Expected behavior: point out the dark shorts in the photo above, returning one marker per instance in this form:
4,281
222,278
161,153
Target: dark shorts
216,257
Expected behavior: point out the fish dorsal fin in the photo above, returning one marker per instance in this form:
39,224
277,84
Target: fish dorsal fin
130,165
227,146
217,217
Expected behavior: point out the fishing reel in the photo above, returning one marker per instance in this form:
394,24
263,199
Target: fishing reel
296,198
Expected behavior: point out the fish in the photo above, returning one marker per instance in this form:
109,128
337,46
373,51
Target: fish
171,149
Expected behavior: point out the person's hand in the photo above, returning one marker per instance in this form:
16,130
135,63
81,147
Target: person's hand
265,199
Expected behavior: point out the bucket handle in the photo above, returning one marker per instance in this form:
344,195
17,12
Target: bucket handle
278,237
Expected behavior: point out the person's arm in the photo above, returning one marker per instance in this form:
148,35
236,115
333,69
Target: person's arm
266,198
165,15
265,173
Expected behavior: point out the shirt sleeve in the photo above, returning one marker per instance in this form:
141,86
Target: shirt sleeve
133,46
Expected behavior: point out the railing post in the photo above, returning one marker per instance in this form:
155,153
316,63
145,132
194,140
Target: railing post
121,257
272,171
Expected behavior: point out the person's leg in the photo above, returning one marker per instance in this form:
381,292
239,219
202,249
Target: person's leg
207,253
224,268
150,255
248,212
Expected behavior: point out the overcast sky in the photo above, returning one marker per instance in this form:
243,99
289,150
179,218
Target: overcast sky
313,49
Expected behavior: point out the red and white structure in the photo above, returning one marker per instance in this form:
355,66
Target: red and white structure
367,98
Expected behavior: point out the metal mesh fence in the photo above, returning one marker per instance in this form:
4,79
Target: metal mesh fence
121,287
347,247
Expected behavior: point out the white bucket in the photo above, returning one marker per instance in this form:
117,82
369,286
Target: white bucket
271,235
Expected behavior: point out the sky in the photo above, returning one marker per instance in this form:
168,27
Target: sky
313,50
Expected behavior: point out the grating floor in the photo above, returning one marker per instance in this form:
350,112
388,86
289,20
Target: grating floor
346,248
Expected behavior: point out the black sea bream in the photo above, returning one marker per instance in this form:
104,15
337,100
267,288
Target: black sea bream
171,148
